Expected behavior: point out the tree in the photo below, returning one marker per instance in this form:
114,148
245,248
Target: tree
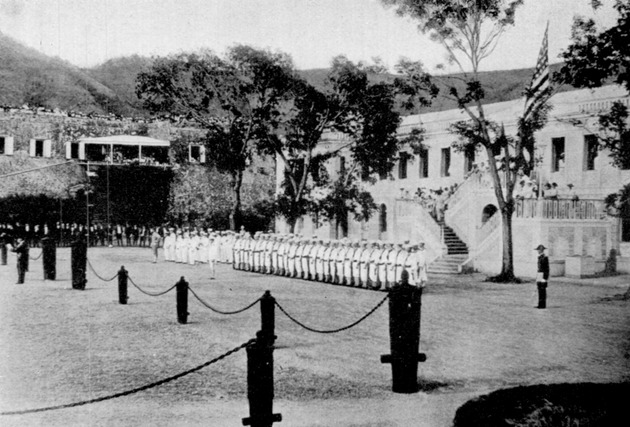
469,30
231,97
594,58
362,110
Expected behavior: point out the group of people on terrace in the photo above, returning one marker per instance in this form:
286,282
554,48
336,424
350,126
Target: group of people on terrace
359,263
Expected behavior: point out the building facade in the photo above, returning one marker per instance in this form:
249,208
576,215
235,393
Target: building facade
446,198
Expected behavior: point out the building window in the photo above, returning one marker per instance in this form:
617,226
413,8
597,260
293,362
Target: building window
423,158
382,218
591,147
402,165
625,229
74,150
196,154
39,148
446,162
2,143
557,154
342,166
469,160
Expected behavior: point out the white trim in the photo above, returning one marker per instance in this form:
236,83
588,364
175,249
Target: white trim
47,148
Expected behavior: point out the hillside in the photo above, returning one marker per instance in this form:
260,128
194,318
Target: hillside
29,77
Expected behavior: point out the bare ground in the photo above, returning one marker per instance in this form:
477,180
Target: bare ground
60,346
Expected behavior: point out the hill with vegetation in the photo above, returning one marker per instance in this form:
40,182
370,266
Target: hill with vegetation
30,77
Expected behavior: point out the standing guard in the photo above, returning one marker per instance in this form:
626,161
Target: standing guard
364,265
382,267
21,250
319,261
401,257
312,255
299,257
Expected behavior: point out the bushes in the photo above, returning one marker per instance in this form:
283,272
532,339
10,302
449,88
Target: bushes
564,405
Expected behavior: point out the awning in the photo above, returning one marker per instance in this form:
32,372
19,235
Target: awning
133,140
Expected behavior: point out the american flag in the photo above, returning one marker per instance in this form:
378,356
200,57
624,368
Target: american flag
538,90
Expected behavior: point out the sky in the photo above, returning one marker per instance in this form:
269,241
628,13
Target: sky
88,32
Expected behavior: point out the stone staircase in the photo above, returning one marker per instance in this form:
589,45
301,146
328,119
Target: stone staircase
453,242
447,264
456,253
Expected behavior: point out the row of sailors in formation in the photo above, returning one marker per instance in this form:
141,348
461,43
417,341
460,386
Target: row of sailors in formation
373,265
198,246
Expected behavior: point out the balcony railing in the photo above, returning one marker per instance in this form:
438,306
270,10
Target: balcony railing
561,209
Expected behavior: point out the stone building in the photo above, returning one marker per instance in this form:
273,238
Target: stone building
64,147
579,234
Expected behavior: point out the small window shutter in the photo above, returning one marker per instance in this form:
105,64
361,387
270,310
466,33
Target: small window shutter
82,150
202,154
190,159
68,150
31,148
8,145
47,148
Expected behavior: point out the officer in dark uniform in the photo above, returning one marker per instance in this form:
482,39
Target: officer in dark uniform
542,276
21,250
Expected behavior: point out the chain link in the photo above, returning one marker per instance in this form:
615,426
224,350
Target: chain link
98,275
37,257
332,331
219,311
157,294
135,390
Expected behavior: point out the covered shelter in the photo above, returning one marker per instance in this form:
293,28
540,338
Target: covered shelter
121,149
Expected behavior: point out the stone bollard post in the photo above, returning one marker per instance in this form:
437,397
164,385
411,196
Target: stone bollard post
49,258
123,277
78,255
404,332
182,301
260,391
3,250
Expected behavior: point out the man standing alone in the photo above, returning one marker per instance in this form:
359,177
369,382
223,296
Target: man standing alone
542,276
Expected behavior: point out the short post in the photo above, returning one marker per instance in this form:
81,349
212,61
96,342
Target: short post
49,258
3,250
78,255
268,316
404,334
123,277
260,369
182,301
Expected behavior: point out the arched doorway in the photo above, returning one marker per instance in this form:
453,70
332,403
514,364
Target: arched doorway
487,213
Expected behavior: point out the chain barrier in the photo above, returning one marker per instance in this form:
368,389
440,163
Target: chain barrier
219,311
332,331
98,275
135,390
37,257
157,294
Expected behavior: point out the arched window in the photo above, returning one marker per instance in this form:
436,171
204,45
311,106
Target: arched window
382,218
487,213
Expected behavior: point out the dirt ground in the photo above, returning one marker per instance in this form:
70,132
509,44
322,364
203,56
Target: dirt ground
59,346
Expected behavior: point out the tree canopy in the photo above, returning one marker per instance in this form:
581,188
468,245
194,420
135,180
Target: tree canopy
235,98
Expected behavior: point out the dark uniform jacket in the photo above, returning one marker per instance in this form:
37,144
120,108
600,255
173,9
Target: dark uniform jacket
543,266
22,253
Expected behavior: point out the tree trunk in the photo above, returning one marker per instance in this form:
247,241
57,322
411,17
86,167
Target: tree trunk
507,265
235,213
291,223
